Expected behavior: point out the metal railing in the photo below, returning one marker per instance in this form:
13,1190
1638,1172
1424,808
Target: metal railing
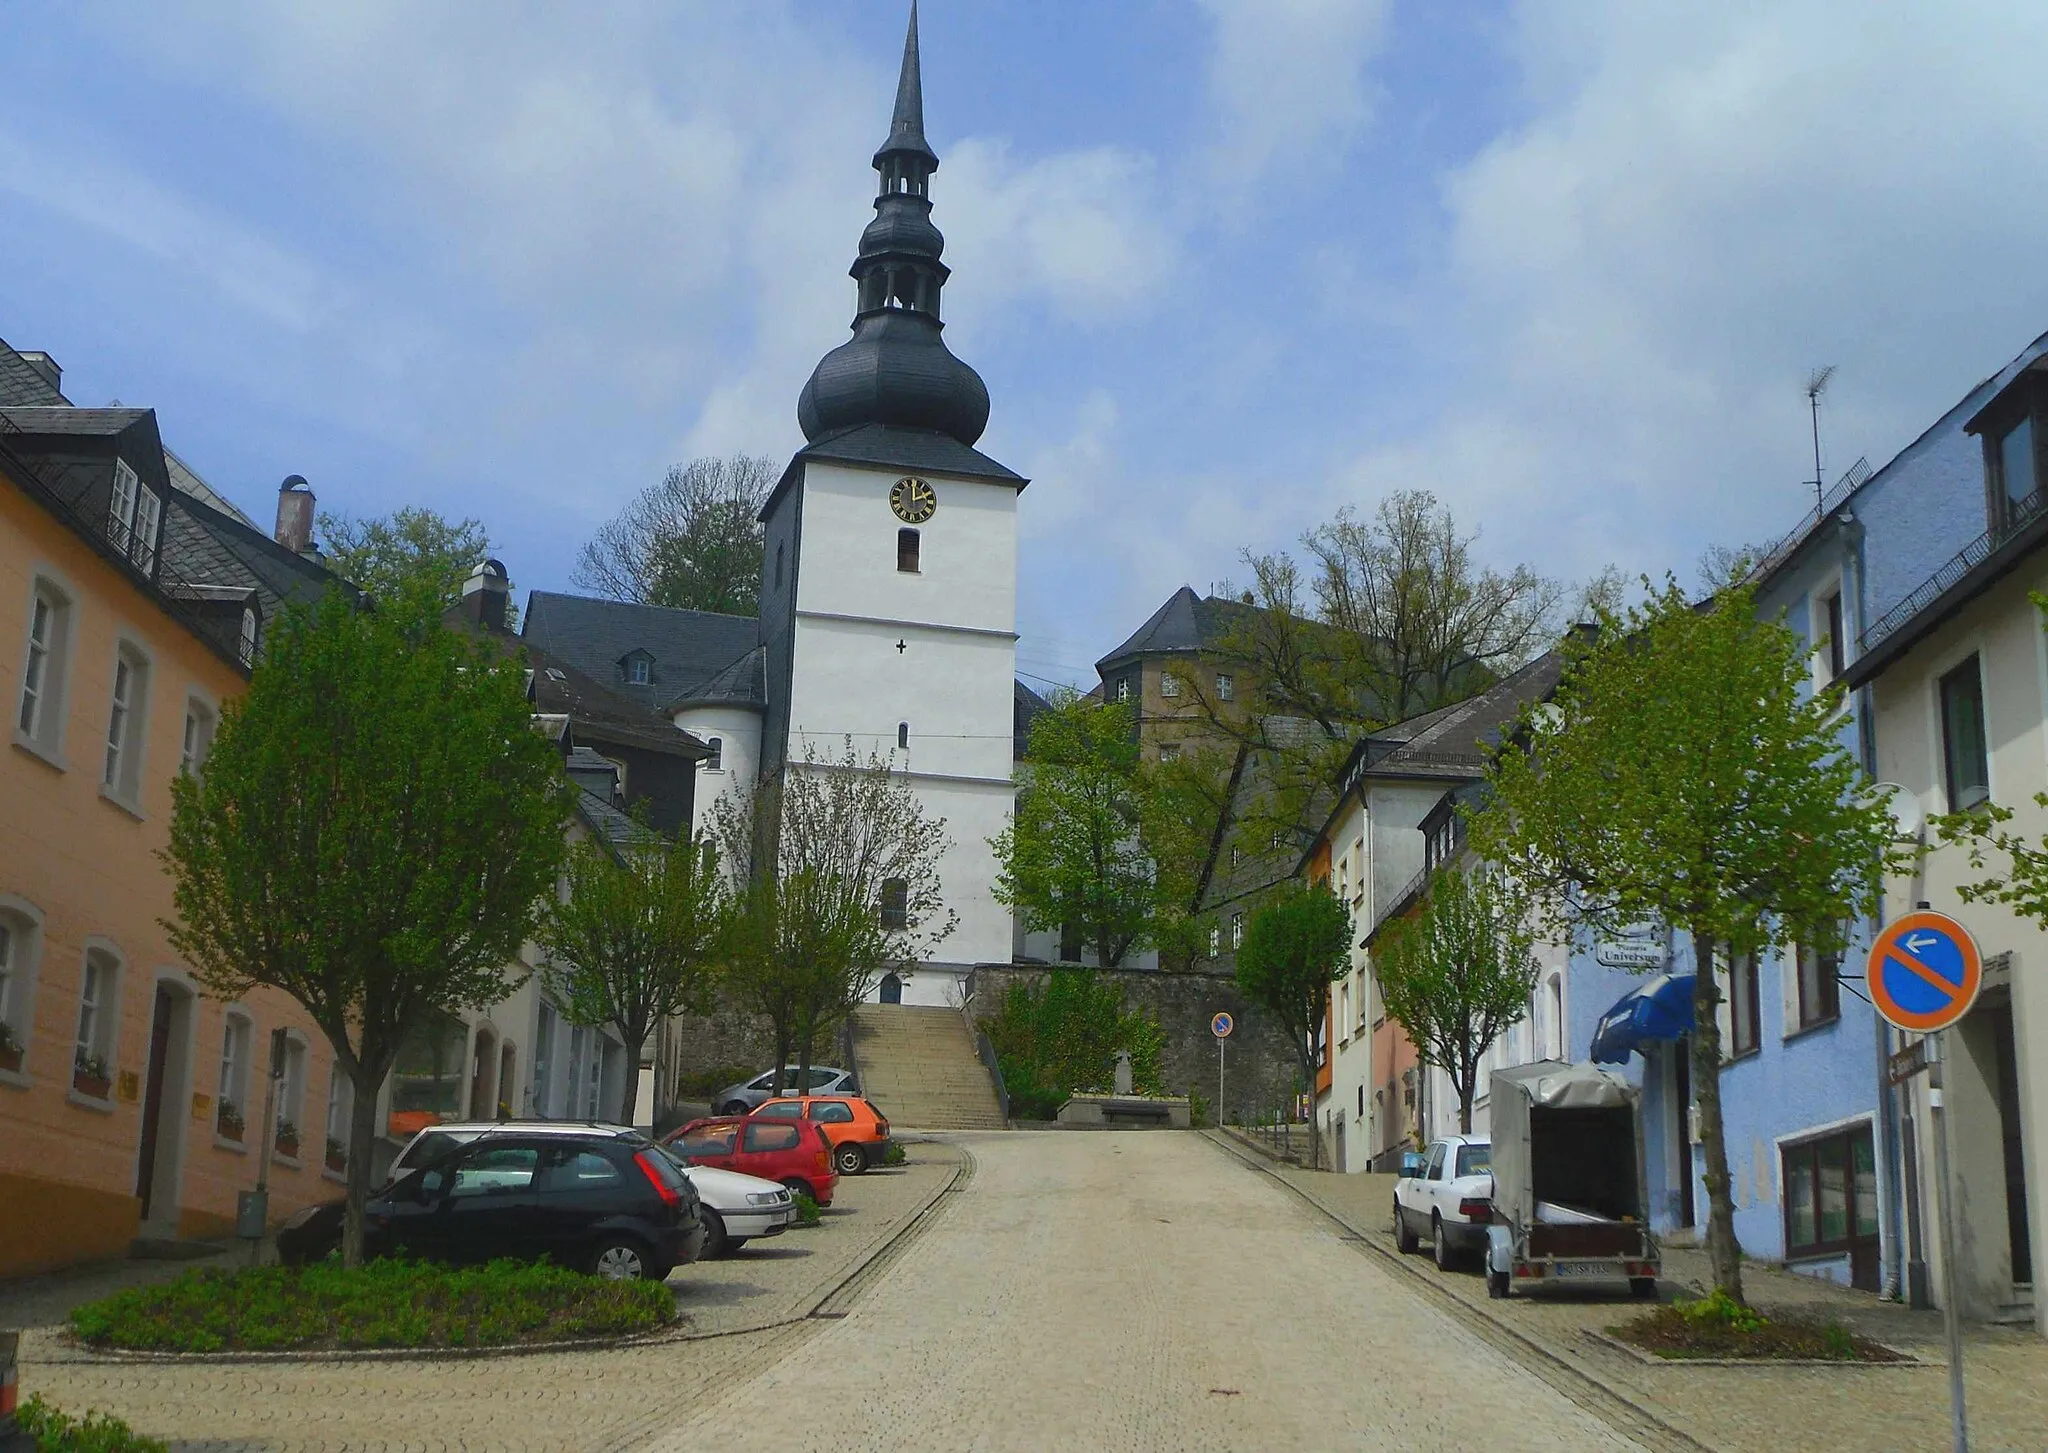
987,1051
1852,479
2016,515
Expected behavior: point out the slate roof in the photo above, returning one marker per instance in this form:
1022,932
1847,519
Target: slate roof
595,711
1454,742
22,385
204,546
610,823
1186,623
690,648
1027,704
744,683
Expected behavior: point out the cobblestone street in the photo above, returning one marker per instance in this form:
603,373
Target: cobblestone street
1138,1290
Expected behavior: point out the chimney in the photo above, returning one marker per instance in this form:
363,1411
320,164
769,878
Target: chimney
485,594
46,366
295,514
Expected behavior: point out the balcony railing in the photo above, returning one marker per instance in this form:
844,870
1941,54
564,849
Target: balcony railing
2015,516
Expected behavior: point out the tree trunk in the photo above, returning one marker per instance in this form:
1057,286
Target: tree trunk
1308,1085
1723,1251
362,1133
783,1037
632,1100
1467,1082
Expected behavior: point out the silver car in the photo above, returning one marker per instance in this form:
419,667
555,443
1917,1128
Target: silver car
745,1098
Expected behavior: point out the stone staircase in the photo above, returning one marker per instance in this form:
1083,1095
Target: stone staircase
919,1066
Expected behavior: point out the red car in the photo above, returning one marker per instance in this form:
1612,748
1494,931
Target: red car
794,1152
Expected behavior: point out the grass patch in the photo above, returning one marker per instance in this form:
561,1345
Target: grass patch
1719,1326
807,1212
392,1303
56,1432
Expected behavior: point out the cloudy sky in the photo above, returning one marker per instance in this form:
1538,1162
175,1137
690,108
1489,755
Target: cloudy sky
1226,265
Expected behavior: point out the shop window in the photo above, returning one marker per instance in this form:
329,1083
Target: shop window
428,1073
1830,1193
1963,741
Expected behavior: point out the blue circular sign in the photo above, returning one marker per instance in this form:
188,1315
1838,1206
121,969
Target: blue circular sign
1222,1024
1924,972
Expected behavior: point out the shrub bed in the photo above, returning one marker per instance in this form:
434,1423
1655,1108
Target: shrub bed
391,1304
807,1212
56,1432
894,1154
1718,1326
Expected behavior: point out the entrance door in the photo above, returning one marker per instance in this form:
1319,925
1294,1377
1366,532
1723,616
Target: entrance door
2009,1131
1681,1114
892,989
153,1096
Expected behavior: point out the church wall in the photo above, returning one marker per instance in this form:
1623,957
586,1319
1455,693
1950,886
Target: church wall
738,730
967,573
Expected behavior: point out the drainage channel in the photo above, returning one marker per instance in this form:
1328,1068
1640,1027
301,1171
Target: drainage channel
1622,1413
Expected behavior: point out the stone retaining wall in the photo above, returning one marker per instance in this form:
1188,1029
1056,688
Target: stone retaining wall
1259,1070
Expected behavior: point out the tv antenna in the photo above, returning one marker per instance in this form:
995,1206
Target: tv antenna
1816,385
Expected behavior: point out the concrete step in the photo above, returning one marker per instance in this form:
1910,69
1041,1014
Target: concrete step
919,1065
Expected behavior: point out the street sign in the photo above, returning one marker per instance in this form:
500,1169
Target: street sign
1924,971
1222,1024
1908,1062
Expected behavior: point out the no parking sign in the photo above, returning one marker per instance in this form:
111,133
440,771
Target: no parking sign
1924,971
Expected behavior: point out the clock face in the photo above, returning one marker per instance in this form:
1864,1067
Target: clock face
913,500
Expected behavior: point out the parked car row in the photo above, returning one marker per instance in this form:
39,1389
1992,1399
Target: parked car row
602,1198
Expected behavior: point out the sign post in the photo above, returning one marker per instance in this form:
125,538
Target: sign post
1220,1026
1923,975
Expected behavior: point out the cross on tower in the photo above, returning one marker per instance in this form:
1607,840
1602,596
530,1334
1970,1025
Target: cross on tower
899,647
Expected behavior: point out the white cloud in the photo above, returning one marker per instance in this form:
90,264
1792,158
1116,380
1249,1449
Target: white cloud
1289,79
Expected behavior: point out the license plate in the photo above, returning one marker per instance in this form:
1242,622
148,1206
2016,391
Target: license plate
1587,1268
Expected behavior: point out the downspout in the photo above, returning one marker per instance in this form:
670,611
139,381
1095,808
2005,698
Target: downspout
1904,1268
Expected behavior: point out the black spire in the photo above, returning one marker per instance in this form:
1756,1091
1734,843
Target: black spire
896,369
906,126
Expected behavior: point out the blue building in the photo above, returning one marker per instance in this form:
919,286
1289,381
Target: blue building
1817,1146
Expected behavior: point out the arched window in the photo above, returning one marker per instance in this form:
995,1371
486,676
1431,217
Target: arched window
903,735
716,761
895,903
1557,1016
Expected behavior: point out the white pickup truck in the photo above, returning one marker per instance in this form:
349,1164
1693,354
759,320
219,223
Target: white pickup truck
1450,1200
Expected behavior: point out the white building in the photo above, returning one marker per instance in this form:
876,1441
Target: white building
888,594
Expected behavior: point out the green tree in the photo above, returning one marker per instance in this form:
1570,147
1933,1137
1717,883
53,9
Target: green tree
1458,972
841,867
636,937
373,834
1293,948
1181,799
1686,772
1062,1036
411,548
694,540
1380,619
1072,854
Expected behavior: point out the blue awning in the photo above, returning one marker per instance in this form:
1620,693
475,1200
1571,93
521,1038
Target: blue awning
1660,1009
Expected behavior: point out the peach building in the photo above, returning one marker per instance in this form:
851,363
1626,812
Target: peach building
131,601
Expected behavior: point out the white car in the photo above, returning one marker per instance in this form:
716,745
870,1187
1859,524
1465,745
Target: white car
737,1208
1450,1200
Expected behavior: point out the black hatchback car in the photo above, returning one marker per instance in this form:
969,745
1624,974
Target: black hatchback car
603,1201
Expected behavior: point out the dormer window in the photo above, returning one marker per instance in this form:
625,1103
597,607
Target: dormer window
132,516
2012,427
638,667
246,647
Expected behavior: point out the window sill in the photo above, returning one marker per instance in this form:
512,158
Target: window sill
127,805
17,1078
221,1142
87,1102
1740,1055
1814,1028
48,756
329,1173
290,1161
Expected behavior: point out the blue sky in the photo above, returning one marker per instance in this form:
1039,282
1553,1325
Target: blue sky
1225,266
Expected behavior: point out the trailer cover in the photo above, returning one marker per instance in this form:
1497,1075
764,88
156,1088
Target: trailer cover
1551,1084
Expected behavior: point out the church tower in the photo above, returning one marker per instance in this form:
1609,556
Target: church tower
889,591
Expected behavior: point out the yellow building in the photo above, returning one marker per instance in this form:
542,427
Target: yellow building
131,600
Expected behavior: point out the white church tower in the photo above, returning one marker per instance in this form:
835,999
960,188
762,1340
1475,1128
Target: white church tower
889,589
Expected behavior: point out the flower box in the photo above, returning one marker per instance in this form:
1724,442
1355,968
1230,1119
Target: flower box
337,1157
93,1087
287,1146
228,1121
10,1057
